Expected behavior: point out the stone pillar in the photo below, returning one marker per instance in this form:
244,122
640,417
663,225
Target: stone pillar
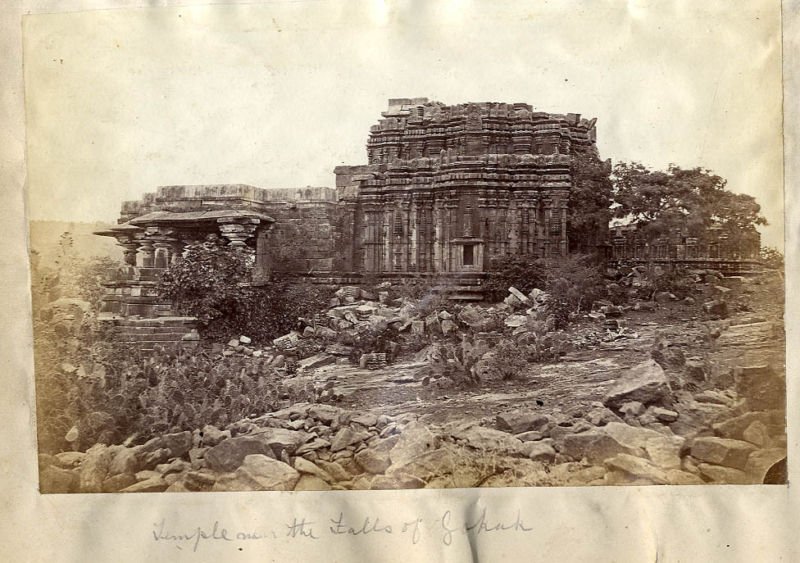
148,252
129,251
237,232
564,239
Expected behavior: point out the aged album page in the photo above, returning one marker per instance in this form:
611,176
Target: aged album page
356,384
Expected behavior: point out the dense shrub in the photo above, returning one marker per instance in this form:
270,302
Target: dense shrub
210,282
573,282
120,393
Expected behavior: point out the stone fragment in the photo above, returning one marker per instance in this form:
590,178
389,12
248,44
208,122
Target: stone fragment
311,483
334,469
152,485
245,339
177,444
94,468
348,436
519,295
665,452
600,416
287,342
645,383
69,460
726,475
716,308
664,415
448,327
375,458
520,421
316,361
118,482
632,408
213,435
539,451
514,321
722,451
757,434
531,436
735,427
125,460
305,466
414,440
595,446
396,481
637,468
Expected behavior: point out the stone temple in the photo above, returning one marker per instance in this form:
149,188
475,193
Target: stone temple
444,189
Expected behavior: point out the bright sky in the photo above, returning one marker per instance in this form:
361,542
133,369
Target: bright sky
120,102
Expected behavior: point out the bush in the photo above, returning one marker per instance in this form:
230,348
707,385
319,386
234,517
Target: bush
210,282
524,272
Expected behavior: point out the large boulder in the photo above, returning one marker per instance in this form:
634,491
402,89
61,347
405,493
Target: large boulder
348,436
645,383
229,454
94,469
488,440
177,444
415,440
259,473
375,459
517,422
633,468
761,464
722,451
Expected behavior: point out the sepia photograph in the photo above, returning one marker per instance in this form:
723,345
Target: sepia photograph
272,253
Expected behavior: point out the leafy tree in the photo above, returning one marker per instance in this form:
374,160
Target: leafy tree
772,257
589,204
691,200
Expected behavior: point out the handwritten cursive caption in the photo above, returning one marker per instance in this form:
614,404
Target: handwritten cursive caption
444,529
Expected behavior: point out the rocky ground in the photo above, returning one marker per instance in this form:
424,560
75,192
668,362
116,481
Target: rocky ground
661,392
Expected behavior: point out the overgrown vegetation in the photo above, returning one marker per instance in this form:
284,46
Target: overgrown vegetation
210,282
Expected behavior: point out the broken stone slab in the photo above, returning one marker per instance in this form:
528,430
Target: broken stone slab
515,321
665,452
646,383
316,361
287,342
259,472
519,295
635,438
722,451
335,470
517,422
229,454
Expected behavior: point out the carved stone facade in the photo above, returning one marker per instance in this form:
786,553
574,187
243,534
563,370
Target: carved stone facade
447,188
